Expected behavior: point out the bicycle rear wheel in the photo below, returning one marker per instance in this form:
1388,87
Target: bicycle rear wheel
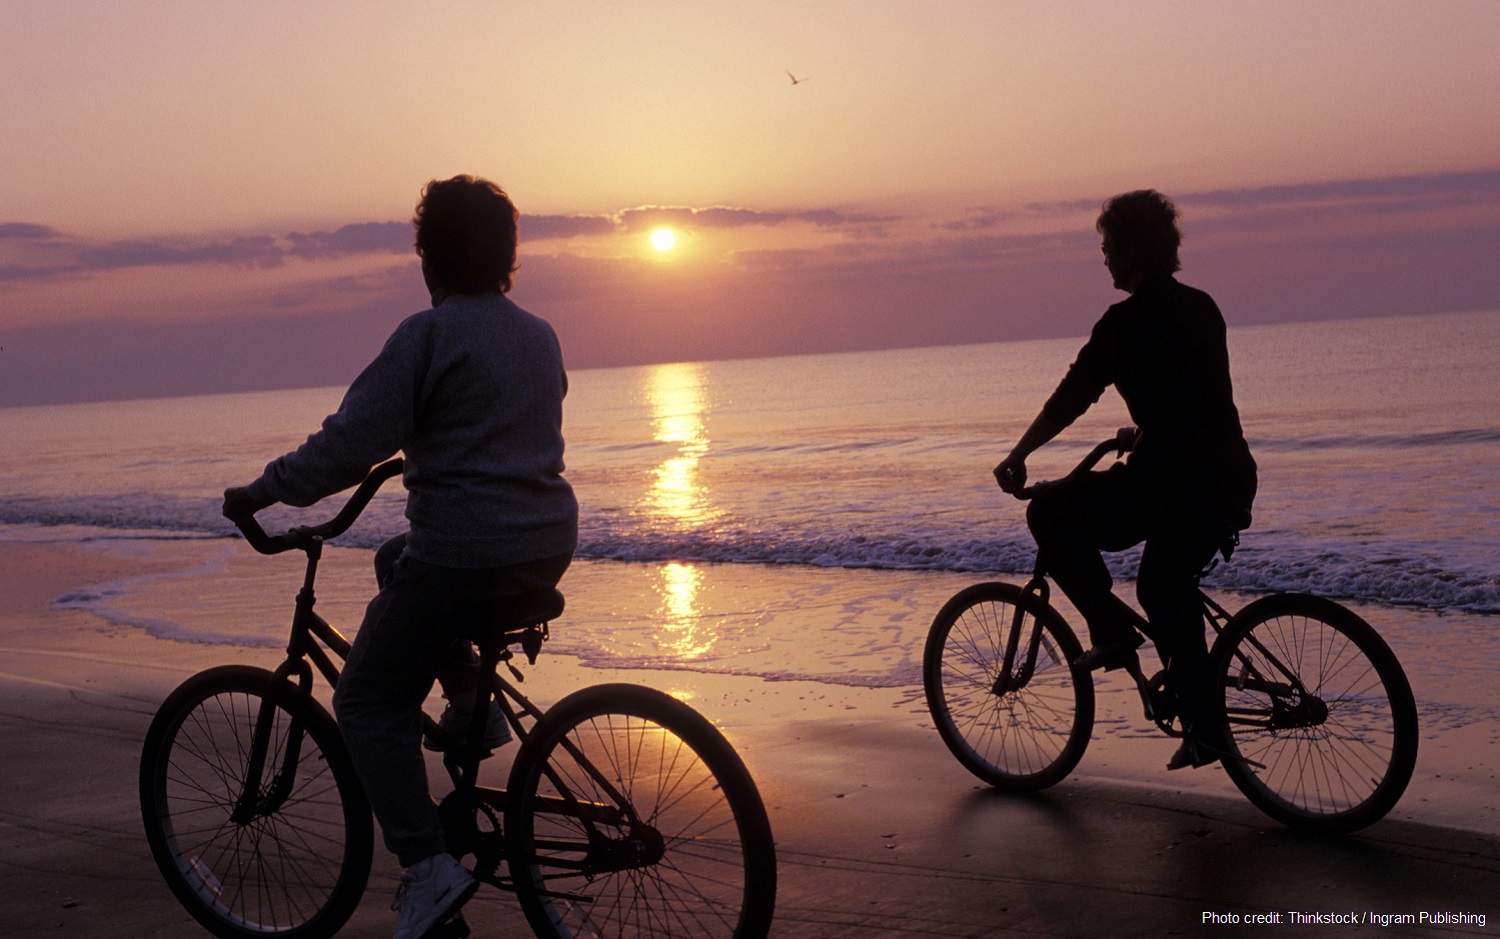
1033,733
1315,696
632,816
295,862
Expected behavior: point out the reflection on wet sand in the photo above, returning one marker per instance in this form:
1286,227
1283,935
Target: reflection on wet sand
685,633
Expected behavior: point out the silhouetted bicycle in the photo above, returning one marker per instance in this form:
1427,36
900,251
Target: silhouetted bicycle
1318,715
626,813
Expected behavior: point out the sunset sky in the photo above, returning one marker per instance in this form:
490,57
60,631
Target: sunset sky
213,196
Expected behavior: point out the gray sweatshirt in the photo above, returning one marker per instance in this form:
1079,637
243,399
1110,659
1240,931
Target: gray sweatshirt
472,391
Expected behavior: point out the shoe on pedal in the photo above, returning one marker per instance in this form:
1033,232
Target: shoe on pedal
453,728
1194,753
430,891
1110,655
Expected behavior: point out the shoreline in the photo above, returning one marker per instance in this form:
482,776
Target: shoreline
878,829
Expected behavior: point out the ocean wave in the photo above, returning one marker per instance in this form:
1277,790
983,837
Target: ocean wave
1357,572
1477,436
1457,576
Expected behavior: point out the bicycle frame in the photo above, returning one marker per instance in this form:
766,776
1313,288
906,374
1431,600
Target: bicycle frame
1307,709
314,640
1291,703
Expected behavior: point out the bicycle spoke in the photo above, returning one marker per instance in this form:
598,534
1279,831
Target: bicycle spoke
1336,741
294,859
677,863
1033,733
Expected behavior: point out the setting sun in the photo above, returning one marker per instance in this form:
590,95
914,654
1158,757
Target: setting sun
663,239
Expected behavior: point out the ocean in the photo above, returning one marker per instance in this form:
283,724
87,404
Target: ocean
1378,442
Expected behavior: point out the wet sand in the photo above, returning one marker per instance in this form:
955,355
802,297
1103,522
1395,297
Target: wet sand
880,833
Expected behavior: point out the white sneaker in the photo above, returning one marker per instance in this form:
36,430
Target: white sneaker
430,891
454,726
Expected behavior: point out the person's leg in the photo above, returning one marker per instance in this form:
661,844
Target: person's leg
1167,588
378,703
410,632
410,627
458,666
1072,524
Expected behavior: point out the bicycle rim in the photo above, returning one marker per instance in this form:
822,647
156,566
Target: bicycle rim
298,864
1336,758
1028,737
633,817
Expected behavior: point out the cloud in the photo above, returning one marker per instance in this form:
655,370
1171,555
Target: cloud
358,238
550,227
1386,194
1391,195
652,216
38,252
27,231
256,251
52,254
961,284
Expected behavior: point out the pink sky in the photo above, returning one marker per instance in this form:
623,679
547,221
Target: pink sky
211,197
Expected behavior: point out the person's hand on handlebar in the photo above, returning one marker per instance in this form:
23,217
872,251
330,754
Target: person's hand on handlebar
1011,474
239,504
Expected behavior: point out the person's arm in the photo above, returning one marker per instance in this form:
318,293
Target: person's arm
373,420
1011,473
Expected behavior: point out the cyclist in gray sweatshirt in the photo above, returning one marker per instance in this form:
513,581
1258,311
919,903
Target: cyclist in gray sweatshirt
470,391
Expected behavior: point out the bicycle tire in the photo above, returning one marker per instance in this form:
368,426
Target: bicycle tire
1330,772
701,861
1025,739
297,869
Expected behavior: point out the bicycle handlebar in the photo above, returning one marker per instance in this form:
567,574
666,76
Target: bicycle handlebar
1121,443
303,535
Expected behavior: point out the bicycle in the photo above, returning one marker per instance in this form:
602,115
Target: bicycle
625,812
1317,713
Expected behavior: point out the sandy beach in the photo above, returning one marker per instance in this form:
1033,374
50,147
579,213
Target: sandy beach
879,832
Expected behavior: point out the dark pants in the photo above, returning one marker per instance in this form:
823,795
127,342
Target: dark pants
1115,510
418,624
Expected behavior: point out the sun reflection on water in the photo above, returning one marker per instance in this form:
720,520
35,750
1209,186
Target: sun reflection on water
678,499
678,407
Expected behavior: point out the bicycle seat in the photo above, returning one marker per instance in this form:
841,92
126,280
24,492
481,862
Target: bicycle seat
1231,539
519,619
525,610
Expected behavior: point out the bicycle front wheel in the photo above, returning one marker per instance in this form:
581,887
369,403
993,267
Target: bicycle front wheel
291,857
1321,711
1027,732
632,816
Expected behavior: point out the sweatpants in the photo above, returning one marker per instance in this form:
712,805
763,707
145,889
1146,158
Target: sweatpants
420,622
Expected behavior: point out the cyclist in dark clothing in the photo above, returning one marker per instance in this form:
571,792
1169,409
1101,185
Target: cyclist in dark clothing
1188,483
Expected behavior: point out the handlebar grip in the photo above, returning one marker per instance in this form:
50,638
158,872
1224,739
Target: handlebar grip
257,538
1120,443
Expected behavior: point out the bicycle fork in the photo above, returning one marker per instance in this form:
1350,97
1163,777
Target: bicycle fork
1011,677
256,801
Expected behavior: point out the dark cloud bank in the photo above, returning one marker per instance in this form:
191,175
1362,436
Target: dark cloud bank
1270,254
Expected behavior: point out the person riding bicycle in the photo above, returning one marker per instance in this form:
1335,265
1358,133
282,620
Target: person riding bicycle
1188,484
471,391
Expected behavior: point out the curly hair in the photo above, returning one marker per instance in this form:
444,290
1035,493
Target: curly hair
466,235
1140,232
